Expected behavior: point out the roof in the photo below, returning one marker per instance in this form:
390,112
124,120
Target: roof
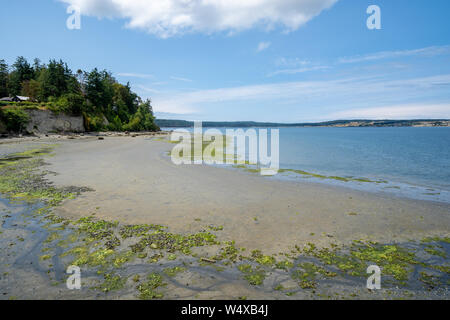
15,98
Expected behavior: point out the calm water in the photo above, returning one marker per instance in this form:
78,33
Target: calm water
414,161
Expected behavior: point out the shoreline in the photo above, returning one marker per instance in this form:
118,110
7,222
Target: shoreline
416,186
253,211
80,136
187,252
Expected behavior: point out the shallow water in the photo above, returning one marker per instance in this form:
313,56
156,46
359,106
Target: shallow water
25,275
33,264
414,161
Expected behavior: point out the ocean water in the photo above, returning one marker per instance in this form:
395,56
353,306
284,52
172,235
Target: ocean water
411,161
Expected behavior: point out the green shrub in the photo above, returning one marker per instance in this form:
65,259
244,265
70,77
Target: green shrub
142,120
115,125
15,119
93,123
70,103
7,103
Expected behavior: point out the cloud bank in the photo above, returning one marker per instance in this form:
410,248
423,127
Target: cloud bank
397,112
425,52
370,98
166,18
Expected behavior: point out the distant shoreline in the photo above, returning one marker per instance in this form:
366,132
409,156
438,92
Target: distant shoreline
167,123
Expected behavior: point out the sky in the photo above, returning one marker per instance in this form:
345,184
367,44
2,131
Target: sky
253,60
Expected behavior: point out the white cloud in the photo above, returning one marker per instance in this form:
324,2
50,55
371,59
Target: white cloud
427,52
325,97
291,62
147,89
181,79
135,75
263,46
297,70
166,18
409,111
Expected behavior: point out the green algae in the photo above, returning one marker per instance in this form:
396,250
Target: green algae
278,288
307,274
136,278
262,259
228,253
147,290
95,229
122,258
99,239
45,257
254,276
142,255
436,239
52,237
21,179
319,176
284,265
129,231
155,258
83,256
174,242
112,282
172,272
430,280
215,228
440,268
394,260
171,257
435,252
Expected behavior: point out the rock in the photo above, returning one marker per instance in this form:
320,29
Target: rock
105,121
44,121
2,127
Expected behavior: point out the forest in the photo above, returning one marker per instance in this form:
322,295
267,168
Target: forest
104,103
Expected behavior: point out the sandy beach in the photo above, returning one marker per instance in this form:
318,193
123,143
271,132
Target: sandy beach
135,182
141,227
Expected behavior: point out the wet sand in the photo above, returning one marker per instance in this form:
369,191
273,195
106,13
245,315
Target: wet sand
135,182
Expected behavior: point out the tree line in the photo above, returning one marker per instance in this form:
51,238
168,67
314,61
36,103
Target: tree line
104,103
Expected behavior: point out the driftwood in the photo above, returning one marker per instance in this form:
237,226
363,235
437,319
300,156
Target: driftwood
208,260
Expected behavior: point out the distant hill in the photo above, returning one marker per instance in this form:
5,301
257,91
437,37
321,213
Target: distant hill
167,123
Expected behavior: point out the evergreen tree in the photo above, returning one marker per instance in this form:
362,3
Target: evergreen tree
22,71
3,79
96,94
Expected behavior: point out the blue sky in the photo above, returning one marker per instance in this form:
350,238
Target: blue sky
283,61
